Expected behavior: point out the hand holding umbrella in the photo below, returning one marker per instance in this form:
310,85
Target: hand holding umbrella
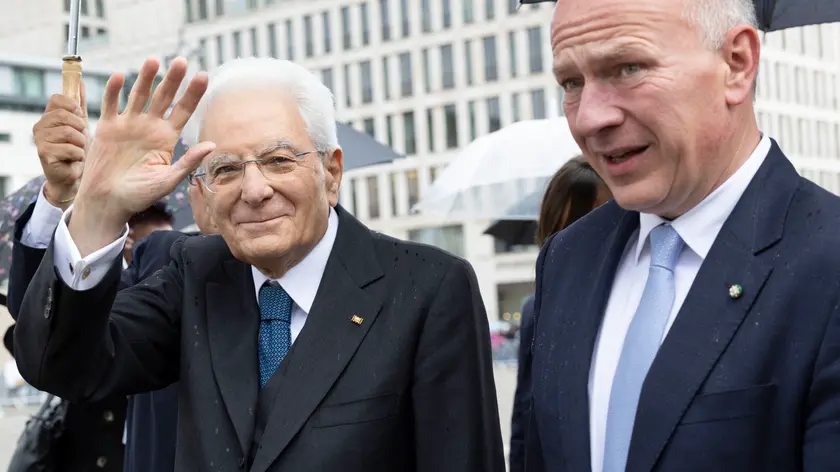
71,69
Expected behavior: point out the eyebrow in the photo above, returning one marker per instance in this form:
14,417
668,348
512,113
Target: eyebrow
261,152
609,55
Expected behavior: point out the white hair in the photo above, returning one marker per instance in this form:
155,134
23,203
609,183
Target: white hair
314,99
714,18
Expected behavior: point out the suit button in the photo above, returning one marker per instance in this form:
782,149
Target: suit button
108,416
101,462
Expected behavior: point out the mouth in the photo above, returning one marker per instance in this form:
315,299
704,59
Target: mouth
260,222
619,156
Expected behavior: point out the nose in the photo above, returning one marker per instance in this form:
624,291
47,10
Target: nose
255,188
597,110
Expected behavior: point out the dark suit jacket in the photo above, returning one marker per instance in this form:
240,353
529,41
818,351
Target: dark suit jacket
409,388
739,384
522,395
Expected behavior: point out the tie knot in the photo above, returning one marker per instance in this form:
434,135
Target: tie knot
275,303
665,247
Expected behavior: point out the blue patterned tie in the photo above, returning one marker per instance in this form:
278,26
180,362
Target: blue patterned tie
641,345
275,329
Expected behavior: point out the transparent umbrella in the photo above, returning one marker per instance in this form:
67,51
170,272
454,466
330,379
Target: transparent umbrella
498,170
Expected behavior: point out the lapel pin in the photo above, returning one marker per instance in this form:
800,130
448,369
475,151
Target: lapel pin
735,291
357,319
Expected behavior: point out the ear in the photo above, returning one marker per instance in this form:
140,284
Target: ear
334,168
741,51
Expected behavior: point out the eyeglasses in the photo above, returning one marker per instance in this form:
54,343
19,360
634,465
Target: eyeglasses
226,174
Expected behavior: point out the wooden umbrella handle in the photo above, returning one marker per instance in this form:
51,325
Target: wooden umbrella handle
71,77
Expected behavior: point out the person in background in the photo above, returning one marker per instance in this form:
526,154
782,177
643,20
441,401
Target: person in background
573,191
142,224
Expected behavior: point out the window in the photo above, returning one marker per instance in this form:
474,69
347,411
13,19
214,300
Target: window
433,173
494,119
290,40
467,11
394,185
516,114
389,130
202,54
426,16
347,40
405,18
363,13
367,81
535,54
386,78
237,44
308,36
491,71
220,50
5,138
427,71
447,67
28,83
538,104
67,6
513,6
413,188
220,7
272,40
430,129
369,127
450,122
4,186
347,95
447,14
188,12
561,97
512,62
373,196
84,7
472,117
410,143
489,9
85,32
327,78
449,238
386,20
325,24
468,62
406,88
254,46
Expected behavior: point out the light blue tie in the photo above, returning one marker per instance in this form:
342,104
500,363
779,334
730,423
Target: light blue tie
640,345
275,329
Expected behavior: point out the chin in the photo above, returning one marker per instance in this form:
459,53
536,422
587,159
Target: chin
638,197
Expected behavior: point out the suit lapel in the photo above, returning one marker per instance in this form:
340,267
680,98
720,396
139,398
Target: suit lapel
329,338
233,327
576,343
710,317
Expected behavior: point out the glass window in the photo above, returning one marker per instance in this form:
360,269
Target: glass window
561,97
7,80
468,62
516,113
325,24
272,40
535,52
202,54
220,7
489,9
426,15
413,188
450,121
373,196
389,130
513,6
449,238
308,36
254,45
290,40
386,78
385,16
327,78
367,81
473,120
447,14
405,18
538,104
491,71
494,115
347,95
363,13
467,10
370,127
430,129
410,143
29,83
187,7
406,76
512,62
5,138
347,40
447,67
84,7
427,71
220,50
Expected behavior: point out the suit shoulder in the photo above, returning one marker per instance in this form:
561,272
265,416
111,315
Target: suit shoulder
416,253
596,224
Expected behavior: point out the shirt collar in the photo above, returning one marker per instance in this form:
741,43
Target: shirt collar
301,281
700,226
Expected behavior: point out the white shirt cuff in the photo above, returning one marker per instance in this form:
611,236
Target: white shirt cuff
83,273
38,231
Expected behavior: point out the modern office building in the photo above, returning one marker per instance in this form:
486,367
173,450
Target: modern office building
428,76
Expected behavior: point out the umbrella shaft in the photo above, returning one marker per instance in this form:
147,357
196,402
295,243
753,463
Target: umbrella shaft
73,29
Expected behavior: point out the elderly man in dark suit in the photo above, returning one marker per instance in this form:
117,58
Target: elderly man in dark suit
700,327
301,339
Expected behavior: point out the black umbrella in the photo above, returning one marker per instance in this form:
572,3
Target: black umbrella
519,232
775,15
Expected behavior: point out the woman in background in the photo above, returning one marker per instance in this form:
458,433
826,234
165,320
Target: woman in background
572,192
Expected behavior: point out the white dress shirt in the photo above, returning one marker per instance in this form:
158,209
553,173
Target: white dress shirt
698,228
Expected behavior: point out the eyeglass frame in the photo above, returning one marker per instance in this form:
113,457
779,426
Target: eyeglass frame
195,177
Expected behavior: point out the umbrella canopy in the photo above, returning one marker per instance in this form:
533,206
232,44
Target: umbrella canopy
361,150
10,209
774,15
499,169
520,228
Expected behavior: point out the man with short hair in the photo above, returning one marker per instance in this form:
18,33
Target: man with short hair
693,324
301,340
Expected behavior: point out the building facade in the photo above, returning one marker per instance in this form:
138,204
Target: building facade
427,77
